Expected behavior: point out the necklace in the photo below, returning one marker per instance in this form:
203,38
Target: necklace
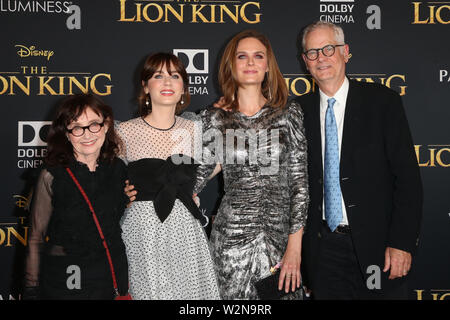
174,122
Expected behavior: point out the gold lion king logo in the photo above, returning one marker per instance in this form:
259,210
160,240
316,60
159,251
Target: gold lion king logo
434,294
432,13
198,11
42,80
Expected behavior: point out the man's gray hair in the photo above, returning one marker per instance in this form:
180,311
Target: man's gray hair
338,31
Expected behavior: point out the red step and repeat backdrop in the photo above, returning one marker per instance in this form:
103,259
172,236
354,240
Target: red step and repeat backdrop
51,49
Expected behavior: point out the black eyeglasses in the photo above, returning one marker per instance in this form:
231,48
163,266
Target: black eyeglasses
327,51
79,131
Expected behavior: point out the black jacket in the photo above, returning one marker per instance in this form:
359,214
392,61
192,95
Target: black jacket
379,173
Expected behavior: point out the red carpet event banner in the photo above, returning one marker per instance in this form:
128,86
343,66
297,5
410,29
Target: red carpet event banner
52,49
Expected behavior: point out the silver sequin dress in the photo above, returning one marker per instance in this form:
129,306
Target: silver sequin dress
264,200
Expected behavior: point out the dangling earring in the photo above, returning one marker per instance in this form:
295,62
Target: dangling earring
181,101
147,100
270,94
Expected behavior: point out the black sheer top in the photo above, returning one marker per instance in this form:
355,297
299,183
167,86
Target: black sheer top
61,223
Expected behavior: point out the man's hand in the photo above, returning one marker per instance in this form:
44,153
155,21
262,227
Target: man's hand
398,261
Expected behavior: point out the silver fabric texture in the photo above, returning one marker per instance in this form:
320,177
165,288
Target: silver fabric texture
263,203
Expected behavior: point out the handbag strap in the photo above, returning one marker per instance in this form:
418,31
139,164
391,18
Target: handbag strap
102,237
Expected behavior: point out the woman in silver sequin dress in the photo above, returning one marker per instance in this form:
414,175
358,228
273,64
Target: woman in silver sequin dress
258,142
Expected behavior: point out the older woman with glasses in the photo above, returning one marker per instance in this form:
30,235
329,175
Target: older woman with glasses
66,258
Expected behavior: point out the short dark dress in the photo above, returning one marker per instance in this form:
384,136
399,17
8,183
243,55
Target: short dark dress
66,258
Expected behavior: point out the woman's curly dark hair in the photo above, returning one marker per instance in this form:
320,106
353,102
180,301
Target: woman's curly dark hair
59,149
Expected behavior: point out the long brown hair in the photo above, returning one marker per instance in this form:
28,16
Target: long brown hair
273,87
154,63
59,149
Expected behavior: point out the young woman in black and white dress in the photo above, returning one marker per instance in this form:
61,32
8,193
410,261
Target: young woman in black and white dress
166,246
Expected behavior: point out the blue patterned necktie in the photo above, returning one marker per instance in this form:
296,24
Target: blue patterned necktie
332,188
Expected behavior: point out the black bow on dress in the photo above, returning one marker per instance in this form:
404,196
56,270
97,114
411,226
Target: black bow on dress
163,181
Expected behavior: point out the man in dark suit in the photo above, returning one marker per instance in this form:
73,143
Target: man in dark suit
364,181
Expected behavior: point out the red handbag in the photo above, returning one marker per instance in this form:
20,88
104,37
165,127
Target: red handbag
116,290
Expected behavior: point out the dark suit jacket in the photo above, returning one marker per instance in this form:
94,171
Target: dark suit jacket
380,178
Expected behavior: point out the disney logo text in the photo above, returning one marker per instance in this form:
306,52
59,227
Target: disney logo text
24,52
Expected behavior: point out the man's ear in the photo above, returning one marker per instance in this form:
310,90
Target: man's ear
347,54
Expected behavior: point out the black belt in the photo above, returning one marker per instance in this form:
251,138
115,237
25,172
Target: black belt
342,229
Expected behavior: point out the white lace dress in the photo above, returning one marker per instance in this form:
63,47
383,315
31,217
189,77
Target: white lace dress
168,259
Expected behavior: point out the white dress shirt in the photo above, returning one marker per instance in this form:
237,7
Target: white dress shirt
339,112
